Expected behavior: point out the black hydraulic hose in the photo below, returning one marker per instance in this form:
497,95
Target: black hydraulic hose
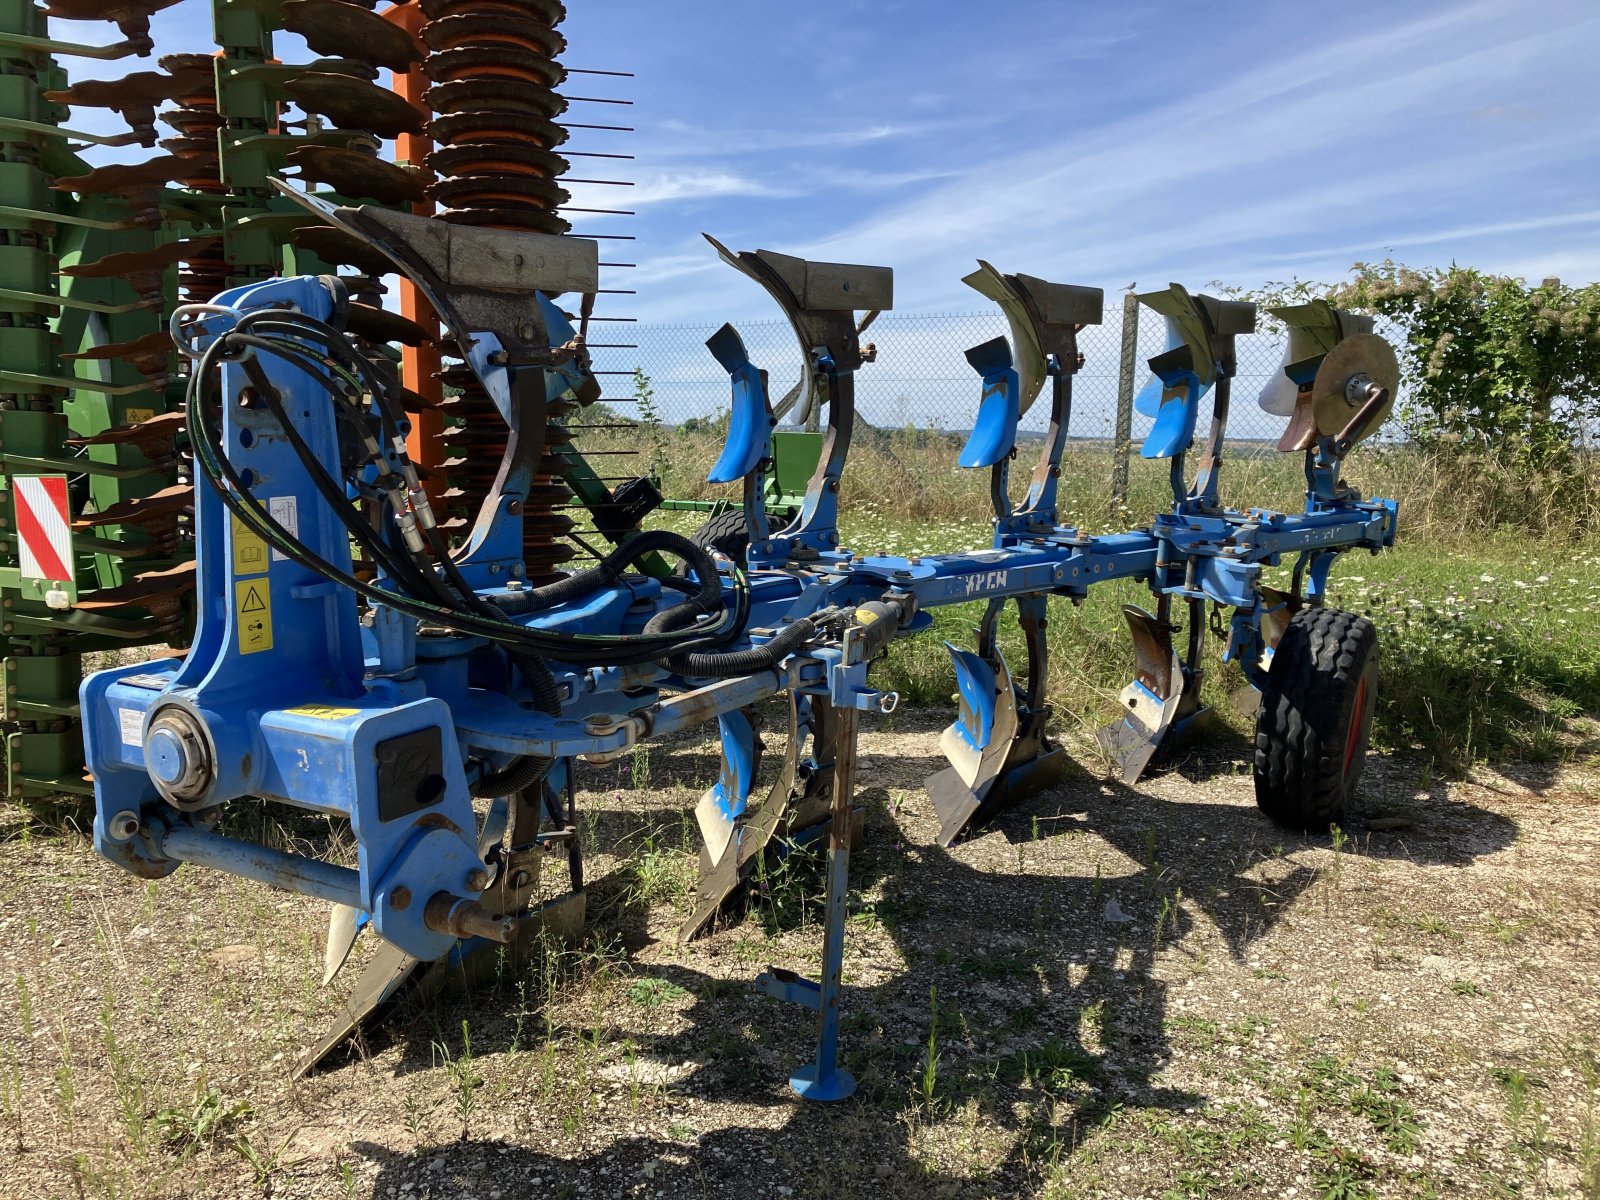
612,650
609,571
401,568
734,662
703,664
523,773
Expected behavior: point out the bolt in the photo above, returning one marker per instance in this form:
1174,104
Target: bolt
477,879
123,827
521,879
400,898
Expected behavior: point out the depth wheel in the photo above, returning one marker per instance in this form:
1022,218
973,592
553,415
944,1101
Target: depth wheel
727,533
1315,718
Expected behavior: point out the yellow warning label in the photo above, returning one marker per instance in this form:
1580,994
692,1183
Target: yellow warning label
323,712
249,550
133,414
252,613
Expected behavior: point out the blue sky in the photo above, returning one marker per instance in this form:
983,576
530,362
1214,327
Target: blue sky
1104,143
1101,143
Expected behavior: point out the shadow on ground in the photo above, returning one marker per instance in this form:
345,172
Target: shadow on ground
1040,986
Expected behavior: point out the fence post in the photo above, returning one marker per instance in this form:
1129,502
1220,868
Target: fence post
1124,435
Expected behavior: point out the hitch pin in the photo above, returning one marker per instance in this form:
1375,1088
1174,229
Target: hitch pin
466,919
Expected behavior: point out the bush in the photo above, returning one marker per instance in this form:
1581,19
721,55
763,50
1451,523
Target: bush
1506,373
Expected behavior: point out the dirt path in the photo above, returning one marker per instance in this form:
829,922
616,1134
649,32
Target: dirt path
1409,1010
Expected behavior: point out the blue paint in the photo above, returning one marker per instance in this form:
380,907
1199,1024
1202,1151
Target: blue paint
750,423
302,721
994,431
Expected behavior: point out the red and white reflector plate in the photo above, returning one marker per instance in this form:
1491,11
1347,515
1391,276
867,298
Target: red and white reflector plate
44,535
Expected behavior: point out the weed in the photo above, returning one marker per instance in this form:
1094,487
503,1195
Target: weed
1055,1065
640,763
415,1116
644,395
1465,987
1434,925
1390,1115
1343,1180
661,873
1171,910
126,1079
1203,1033
66,1086
464,1078
208,1117
263,1161
1506,932
928,1084
1303,1131
653,992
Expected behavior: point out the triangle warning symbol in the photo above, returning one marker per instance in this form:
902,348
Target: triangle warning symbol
253,602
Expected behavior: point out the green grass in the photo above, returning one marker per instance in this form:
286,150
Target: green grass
1489,633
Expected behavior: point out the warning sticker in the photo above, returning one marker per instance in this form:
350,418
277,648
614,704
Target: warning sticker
322,712
133,414
252,613
285,510
249,550
132,722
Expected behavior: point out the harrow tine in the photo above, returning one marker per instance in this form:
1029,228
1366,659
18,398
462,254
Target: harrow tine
1151,701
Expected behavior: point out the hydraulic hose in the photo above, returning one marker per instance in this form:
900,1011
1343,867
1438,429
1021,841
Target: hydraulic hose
602,650
702,664
522,774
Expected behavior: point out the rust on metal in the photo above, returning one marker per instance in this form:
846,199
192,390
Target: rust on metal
150,355
135,96
136,262
334,245
356,174
130,16
353,103
493,69
381,325
126,177
349,30
160,593
156,437
472,128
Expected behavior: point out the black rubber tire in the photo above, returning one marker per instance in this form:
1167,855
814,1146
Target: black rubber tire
727,533
1315,718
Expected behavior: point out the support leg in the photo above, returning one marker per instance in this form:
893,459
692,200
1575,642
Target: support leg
824,1079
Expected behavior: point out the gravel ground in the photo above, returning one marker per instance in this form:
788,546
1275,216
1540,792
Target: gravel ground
1110,992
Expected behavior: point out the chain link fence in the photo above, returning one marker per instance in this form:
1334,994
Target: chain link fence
921,377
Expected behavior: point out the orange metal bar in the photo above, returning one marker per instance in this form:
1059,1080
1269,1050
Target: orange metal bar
419,364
